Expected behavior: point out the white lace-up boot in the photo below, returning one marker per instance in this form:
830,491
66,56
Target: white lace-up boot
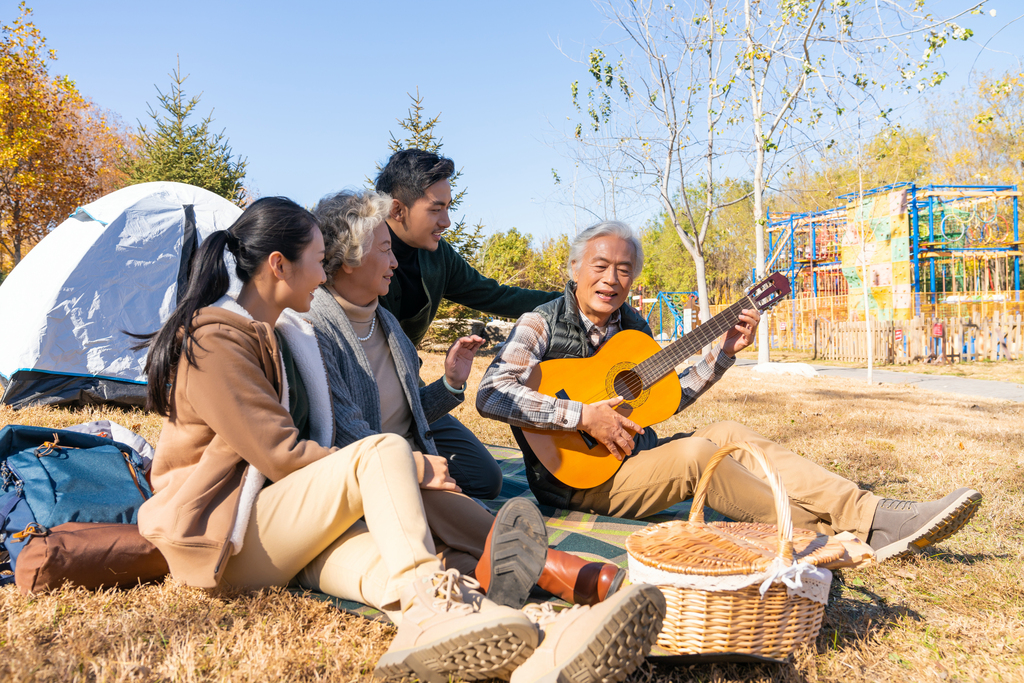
604,642
450,630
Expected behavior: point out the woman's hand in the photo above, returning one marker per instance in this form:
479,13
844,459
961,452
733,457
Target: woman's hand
436,476
459,361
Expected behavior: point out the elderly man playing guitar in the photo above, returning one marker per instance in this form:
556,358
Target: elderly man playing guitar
583,424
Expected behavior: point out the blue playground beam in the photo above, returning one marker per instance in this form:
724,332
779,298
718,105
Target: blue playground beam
931,239
1016,239
670,300
916,247
814,254
875,190
787,230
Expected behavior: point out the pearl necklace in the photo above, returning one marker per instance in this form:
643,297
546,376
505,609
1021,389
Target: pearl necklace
373,326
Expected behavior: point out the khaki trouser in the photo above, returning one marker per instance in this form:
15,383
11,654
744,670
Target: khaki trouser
653,480
307,527
354,568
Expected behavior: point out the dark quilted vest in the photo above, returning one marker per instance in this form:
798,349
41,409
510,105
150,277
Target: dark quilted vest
568,339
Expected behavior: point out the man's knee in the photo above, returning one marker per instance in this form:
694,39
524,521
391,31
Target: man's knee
686,456
492,483
727,431
479,476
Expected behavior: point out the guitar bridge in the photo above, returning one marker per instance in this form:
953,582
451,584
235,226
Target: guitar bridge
587,438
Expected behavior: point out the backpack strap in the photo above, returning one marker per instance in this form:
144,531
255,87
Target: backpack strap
7,503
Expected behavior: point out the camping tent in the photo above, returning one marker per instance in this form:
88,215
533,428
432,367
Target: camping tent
118,264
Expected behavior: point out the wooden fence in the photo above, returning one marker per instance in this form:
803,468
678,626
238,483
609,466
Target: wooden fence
807,323
1000,337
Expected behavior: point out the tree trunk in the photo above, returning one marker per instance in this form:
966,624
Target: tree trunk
700,272
763,355
757,110
16,234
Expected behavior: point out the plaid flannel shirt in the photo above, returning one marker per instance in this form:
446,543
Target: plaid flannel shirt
503,396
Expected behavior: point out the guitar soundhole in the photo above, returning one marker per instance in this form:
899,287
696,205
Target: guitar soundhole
628,385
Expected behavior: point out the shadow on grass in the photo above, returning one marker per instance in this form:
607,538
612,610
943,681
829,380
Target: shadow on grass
963,559
783,672
855,612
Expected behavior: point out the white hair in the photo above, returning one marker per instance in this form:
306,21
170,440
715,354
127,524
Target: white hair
603,229
347,219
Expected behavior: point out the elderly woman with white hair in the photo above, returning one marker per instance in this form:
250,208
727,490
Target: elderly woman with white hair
373,372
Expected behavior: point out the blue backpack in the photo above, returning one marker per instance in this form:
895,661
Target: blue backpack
49,477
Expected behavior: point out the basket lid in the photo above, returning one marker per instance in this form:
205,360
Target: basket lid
724,548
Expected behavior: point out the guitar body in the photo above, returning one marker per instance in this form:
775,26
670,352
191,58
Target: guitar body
566,454
651,392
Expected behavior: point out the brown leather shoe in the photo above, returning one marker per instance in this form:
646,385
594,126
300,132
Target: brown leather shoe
577,581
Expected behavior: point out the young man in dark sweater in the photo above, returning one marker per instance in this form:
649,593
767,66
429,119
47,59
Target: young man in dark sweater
429,269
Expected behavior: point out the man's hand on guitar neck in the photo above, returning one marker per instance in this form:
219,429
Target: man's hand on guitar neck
610,427
742,335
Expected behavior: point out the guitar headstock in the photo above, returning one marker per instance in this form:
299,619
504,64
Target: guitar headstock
769,291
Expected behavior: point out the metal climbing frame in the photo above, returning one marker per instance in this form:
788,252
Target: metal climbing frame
669,306
965,241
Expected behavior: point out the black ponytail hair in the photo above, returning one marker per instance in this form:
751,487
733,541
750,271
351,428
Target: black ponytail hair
269,224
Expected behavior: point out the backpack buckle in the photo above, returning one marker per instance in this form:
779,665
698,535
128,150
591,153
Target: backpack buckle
48,447
33,529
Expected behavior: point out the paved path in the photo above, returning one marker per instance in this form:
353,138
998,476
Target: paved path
984,388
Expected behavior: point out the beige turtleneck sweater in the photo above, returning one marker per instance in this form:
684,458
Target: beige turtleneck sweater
395,413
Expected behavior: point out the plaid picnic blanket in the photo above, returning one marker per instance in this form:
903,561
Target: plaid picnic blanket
592,537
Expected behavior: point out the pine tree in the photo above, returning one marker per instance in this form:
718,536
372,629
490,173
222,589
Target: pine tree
186,152
465,239
419,132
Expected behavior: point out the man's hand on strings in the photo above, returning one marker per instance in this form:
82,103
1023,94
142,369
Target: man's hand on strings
742,335
610,427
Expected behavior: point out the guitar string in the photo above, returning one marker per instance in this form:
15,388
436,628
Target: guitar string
696,339
655,367
658,365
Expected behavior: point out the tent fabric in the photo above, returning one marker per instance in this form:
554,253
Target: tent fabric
33,388
114,266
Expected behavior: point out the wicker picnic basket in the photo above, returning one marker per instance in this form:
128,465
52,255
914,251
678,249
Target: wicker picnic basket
735,587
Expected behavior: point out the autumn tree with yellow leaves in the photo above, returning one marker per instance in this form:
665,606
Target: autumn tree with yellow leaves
973,136
57,150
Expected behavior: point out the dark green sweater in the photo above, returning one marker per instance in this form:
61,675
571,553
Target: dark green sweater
446,275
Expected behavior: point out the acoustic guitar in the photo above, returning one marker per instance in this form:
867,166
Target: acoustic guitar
633,365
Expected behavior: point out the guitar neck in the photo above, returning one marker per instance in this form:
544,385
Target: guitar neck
665,361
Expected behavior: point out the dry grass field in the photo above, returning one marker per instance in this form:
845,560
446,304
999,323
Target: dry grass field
957,615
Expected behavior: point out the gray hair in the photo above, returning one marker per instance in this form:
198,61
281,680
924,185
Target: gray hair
347,220
603,229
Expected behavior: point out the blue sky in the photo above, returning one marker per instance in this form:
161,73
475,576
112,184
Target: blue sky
309,91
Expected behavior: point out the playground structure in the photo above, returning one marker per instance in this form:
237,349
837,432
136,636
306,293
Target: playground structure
931,246
670,314
901,254
945,252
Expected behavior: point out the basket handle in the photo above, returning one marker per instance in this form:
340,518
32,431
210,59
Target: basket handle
782,511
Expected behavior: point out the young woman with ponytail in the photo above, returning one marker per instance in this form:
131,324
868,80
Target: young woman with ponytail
244,498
